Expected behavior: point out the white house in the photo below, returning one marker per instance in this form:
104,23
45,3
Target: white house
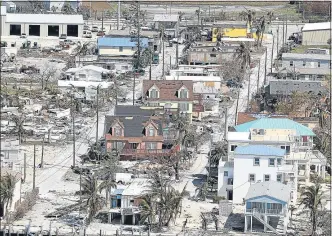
305,60
10,154
86,80
266,207
267,149
125,202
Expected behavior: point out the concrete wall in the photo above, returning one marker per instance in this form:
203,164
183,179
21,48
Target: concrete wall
243,166
43,29
317,37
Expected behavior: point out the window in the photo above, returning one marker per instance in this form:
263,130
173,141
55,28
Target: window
271,162
34,30
304,63
279,161
233,147
279,176
151,131
72,30
318,64
151,145
132,48
291,63
15,30
82,76
213,55
117,145
266,178
230,181
184,93
183,106
154,93
120,49
53,30
287,148
117,132
225,173
251,178
256,161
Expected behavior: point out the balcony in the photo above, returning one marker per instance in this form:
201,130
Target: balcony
272,212
287,169
146,151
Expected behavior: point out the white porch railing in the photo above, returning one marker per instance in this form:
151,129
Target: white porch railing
266,211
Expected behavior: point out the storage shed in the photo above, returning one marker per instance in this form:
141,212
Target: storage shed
42,25
316,33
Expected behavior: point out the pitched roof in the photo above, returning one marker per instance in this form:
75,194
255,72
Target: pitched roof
121,42
308,56
44,18
260,150
168,89
317,26
133,126
275,123
272,189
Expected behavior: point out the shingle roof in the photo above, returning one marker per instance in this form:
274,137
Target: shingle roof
269,188
121,42
44,18
260,150
168,89
133,126
275,123
309,56
317,26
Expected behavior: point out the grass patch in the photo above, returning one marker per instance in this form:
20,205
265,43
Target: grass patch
304,48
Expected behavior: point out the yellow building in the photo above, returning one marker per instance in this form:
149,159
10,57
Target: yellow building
233,32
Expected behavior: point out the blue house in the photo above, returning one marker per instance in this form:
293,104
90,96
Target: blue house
120,46
266,207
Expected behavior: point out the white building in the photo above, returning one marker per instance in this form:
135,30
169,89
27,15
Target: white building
305,60
316,33
268,149
41,25
86,80
10,154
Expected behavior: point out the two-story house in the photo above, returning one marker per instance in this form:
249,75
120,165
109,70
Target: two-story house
10,154
306,60
175,96
135,137
125,202
279,147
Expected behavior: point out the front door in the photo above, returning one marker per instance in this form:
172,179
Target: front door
230,195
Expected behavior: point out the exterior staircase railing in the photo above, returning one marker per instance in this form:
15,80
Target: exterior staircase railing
256,213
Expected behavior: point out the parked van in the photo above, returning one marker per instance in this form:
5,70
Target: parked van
87,34
94,29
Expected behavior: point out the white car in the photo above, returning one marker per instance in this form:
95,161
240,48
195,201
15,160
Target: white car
179,41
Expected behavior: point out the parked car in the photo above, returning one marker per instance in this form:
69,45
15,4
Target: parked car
87,34
63,36
100,33
57,48
94,29
68,42
47,49
233,84
86,27
23,36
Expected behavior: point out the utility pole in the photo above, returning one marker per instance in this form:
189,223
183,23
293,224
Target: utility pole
134,88
73,123
150,69
237,105
286,30
102,21
119,15
42,155
25,167
34,167
265,65
163,72
177,45
138,36
272,53
80,192
248,98
226,124
278,39
97,103
258,74
283,31
170,62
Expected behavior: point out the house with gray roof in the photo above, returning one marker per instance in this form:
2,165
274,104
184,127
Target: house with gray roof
136,136
266,207
306,60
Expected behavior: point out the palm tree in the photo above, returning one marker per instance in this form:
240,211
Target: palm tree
270,16
292,208
91,190
258,34
7,187
243,55
248,15
201,191
312,198
262,27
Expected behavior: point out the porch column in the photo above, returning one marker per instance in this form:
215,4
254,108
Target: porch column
319,173
251,223
245,223
307,173
122,219
323,171
265,220
133,219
